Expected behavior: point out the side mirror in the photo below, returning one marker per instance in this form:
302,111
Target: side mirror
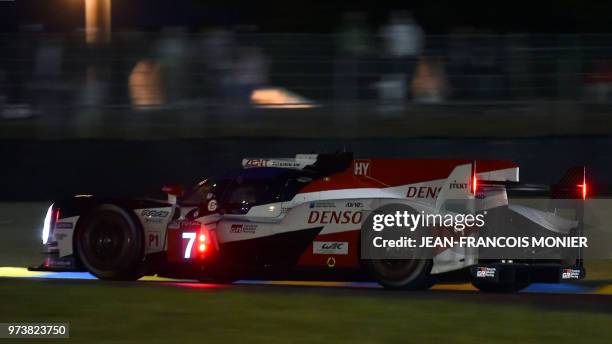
173,191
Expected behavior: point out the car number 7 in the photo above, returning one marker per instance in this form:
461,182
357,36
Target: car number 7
191,236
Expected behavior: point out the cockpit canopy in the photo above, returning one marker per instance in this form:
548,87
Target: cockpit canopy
236,193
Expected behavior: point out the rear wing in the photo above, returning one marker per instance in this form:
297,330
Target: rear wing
572,185
569,193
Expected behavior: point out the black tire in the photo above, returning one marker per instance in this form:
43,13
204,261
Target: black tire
401,274
493,287
406,269
110,244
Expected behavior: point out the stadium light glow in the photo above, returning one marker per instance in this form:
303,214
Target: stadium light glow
97,21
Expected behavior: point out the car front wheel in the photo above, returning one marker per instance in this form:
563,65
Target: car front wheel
110,244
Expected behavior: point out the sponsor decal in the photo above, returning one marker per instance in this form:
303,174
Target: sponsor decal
354,205
189,224
285,164
64,225
569,274
333,216
361,167
322,204
153,240
255,163
243,228
155,213
423,191
330,247
455,185
485,272
61,263
212,205
209,195
331,262
60,236
250,163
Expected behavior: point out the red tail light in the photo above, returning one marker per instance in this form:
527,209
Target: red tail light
202,240
583,186
474,179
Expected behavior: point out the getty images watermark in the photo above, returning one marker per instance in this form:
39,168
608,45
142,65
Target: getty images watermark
503,232
412,221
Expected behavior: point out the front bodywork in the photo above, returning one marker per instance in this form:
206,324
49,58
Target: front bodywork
153,216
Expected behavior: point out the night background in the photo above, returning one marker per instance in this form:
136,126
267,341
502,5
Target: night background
111,110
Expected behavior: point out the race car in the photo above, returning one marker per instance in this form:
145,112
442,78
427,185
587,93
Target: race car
287,216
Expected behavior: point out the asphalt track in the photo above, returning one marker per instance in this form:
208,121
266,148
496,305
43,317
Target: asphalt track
536,288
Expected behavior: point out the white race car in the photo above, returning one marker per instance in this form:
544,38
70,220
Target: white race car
302,216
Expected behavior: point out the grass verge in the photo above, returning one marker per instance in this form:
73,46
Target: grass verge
128,312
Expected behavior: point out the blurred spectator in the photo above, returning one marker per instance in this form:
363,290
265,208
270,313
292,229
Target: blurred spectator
145,85
172,52
49,86
568,72
218,46
486,67
403,37
598,83
403,41
429,85
2,92
352,44
18,72
249,72
518,66
92,95
459,60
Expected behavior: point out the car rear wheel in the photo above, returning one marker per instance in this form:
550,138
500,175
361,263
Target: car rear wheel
404,274
110,244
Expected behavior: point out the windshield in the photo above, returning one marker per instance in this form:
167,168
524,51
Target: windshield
237,193
206,190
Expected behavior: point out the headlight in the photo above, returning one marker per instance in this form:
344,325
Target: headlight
47,225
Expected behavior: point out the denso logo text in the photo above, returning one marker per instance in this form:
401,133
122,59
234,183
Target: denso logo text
331,216
423,192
